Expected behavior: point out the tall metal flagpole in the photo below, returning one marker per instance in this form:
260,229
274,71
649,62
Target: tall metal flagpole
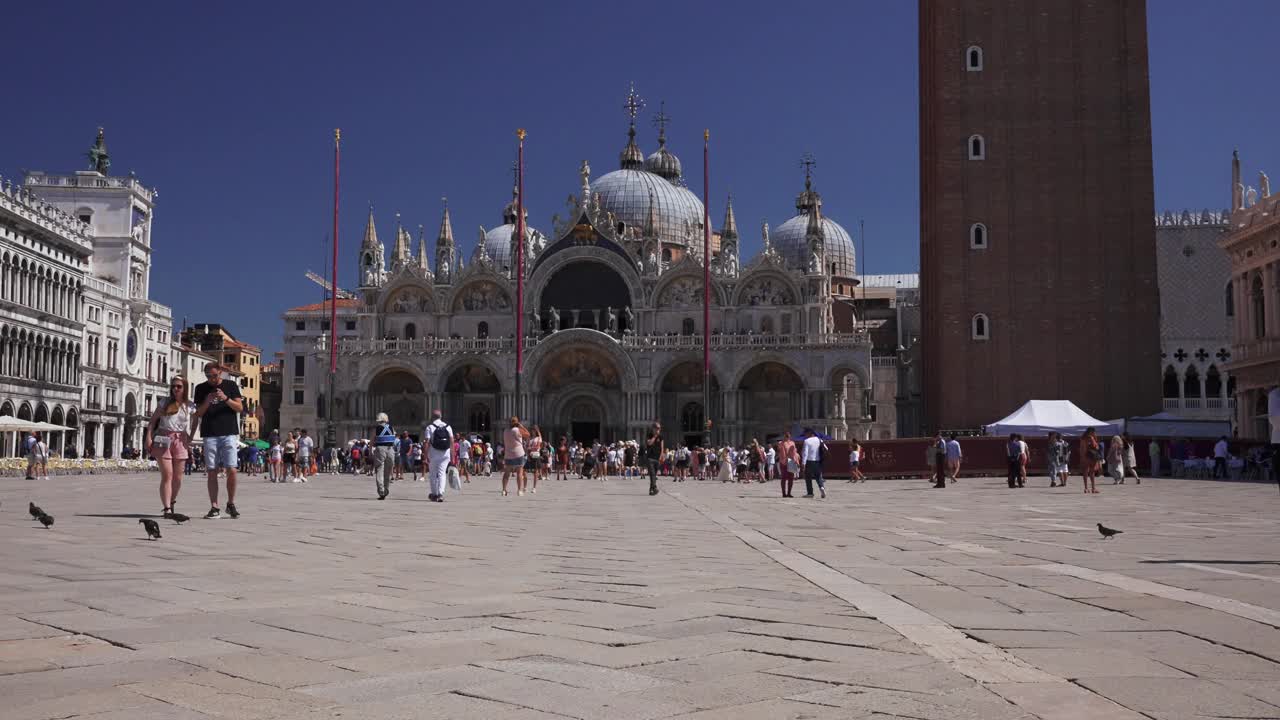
331,432
519,265
706,287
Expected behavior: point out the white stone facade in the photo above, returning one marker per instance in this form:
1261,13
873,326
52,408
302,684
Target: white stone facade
1195,318
613,338
44,256
126,337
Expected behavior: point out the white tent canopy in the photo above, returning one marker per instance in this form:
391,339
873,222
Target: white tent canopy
1040,417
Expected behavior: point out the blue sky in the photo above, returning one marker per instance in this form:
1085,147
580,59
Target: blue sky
228,110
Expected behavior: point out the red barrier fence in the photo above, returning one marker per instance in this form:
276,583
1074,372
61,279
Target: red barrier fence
985,456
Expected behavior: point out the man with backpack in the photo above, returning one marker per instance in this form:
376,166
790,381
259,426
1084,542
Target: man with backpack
439,439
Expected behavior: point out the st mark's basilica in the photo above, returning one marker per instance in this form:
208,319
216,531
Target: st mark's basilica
613,302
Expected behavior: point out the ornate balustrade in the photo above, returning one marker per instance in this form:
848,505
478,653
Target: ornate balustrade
642,343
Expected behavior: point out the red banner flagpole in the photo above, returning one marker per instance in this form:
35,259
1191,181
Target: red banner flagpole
331,430
333,277
519,264
706,286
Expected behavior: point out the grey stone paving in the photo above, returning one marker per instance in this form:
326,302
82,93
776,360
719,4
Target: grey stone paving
592,600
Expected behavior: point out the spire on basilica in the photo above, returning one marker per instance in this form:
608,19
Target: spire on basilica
810,203
372,262
423,267
446,249
631,157
728,257
730,228
370,232
400,256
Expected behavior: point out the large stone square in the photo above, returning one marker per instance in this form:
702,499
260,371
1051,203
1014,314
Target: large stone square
592,600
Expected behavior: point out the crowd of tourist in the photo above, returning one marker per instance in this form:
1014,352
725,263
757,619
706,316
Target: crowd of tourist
448,460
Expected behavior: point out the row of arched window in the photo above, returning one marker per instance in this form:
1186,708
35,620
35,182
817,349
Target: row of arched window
35,356
24,281
1191,385
976,148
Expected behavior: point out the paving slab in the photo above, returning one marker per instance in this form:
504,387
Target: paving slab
595,600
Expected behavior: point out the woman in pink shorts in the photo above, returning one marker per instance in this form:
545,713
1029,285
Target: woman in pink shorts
169,438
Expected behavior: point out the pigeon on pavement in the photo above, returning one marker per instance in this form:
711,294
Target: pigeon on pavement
1108,533
178,518
45,519
35,511
153,528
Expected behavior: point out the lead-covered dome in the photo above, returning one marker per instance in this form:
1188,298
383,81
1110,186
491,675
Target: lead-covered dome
497,241
790,240
625,193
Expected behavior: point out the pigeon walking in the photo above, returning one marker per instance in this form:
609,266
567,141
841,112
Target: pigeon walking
35,511
153,528
45,519
1108,533
178,518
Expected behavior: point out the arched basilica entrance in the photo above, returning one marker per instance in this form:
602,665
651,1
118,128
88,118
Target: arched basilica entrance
581,386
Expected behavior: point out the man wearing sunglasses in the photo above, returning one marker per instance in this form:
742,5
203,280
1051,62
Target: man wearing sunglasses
218,409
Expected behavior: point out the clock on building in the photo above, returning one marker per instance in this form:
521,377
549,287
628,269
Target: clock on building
131,347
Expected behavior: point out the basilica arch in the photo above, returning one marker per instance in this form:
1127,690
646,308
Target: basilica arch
571,365
770,398
400,393
471,396
680,399
608,267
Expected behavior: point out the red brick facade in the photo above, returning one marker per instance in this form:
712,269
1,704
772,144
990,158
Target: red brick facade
1067,277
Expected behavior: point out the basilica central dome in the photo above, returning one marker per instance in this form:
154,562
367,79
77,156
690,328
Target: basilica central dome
627,193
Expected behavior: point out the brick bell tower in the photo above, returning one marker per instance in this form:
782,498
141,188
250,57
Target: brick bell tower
1037,239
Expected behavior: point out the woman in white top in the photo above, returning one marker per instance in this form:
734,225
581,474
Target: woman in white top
40,458
168,436
276,473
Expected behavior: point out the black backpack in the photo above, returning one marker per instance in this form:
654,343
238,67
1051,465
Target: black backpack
440,437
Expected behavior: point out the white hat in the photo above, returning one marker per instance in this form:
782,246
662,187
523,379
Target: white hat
382,418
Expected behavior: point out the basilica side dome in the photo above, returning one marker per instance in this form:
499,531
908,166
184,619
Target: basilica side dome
791,242
497,241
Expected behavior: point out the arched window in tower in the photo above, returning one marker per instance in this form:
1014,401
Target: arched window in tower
980,327
978,236
1170,383
1259,308
973,59
686,327
410,331
482,330
977,148
1231,301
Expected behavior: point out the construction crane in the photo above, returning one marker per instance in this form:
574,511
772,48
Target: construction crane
344,294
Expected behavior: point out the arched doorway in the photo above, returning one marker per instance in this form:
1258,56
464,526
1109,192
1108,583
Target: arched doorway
56,438
572,381
73,429
400,394
41,414
585,419
471,393
680,398
583,293
772,399
131,424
